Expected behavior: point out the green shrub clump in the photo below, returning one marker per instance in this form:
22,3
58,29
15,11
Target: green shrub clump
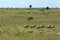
30,18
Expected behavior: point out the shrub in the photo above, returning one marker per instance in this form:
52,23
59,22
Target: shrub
30,18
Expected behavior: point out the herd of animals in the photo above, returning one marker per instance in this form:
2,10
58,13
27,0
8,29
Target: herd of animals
41,26
33,26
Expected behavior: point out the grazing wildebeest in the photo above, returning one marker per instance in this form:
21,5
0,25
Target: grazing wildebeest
33,26
26,26
52,26
49,26
41,26
38,26
30,31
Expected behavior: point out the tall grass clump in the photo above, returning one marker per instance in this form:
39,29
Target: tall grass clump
30,18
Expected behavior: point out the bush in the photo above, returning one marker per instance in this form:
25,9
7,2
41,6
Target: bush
30,18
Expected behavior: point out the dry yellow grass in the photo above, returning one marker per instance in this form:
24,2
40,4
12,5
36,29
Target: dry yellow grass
12,23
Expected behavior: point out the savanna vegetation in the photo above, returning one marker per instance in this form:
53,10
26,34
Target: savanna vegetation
12,23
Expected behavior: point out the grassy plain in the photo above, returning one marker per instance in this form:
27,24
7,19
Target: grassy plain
12,23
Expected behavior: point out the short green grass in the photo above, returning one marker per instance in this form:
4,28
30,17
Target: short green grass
12,23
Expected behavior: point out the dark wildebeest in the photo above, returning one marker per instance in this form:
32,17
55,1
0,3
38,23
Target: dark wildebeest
26,26
49,26
33,26
41,26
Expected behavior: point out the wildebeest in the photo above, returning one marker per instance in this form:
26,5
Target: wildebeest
38,26
33,26
26,26
52,26
41,26
30,31
49,26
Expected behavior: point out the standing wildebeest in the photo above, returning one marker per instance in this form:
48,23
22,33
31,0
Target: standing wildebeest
38,26
30,31
41,26
49,26
33,26
52,26
26,26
